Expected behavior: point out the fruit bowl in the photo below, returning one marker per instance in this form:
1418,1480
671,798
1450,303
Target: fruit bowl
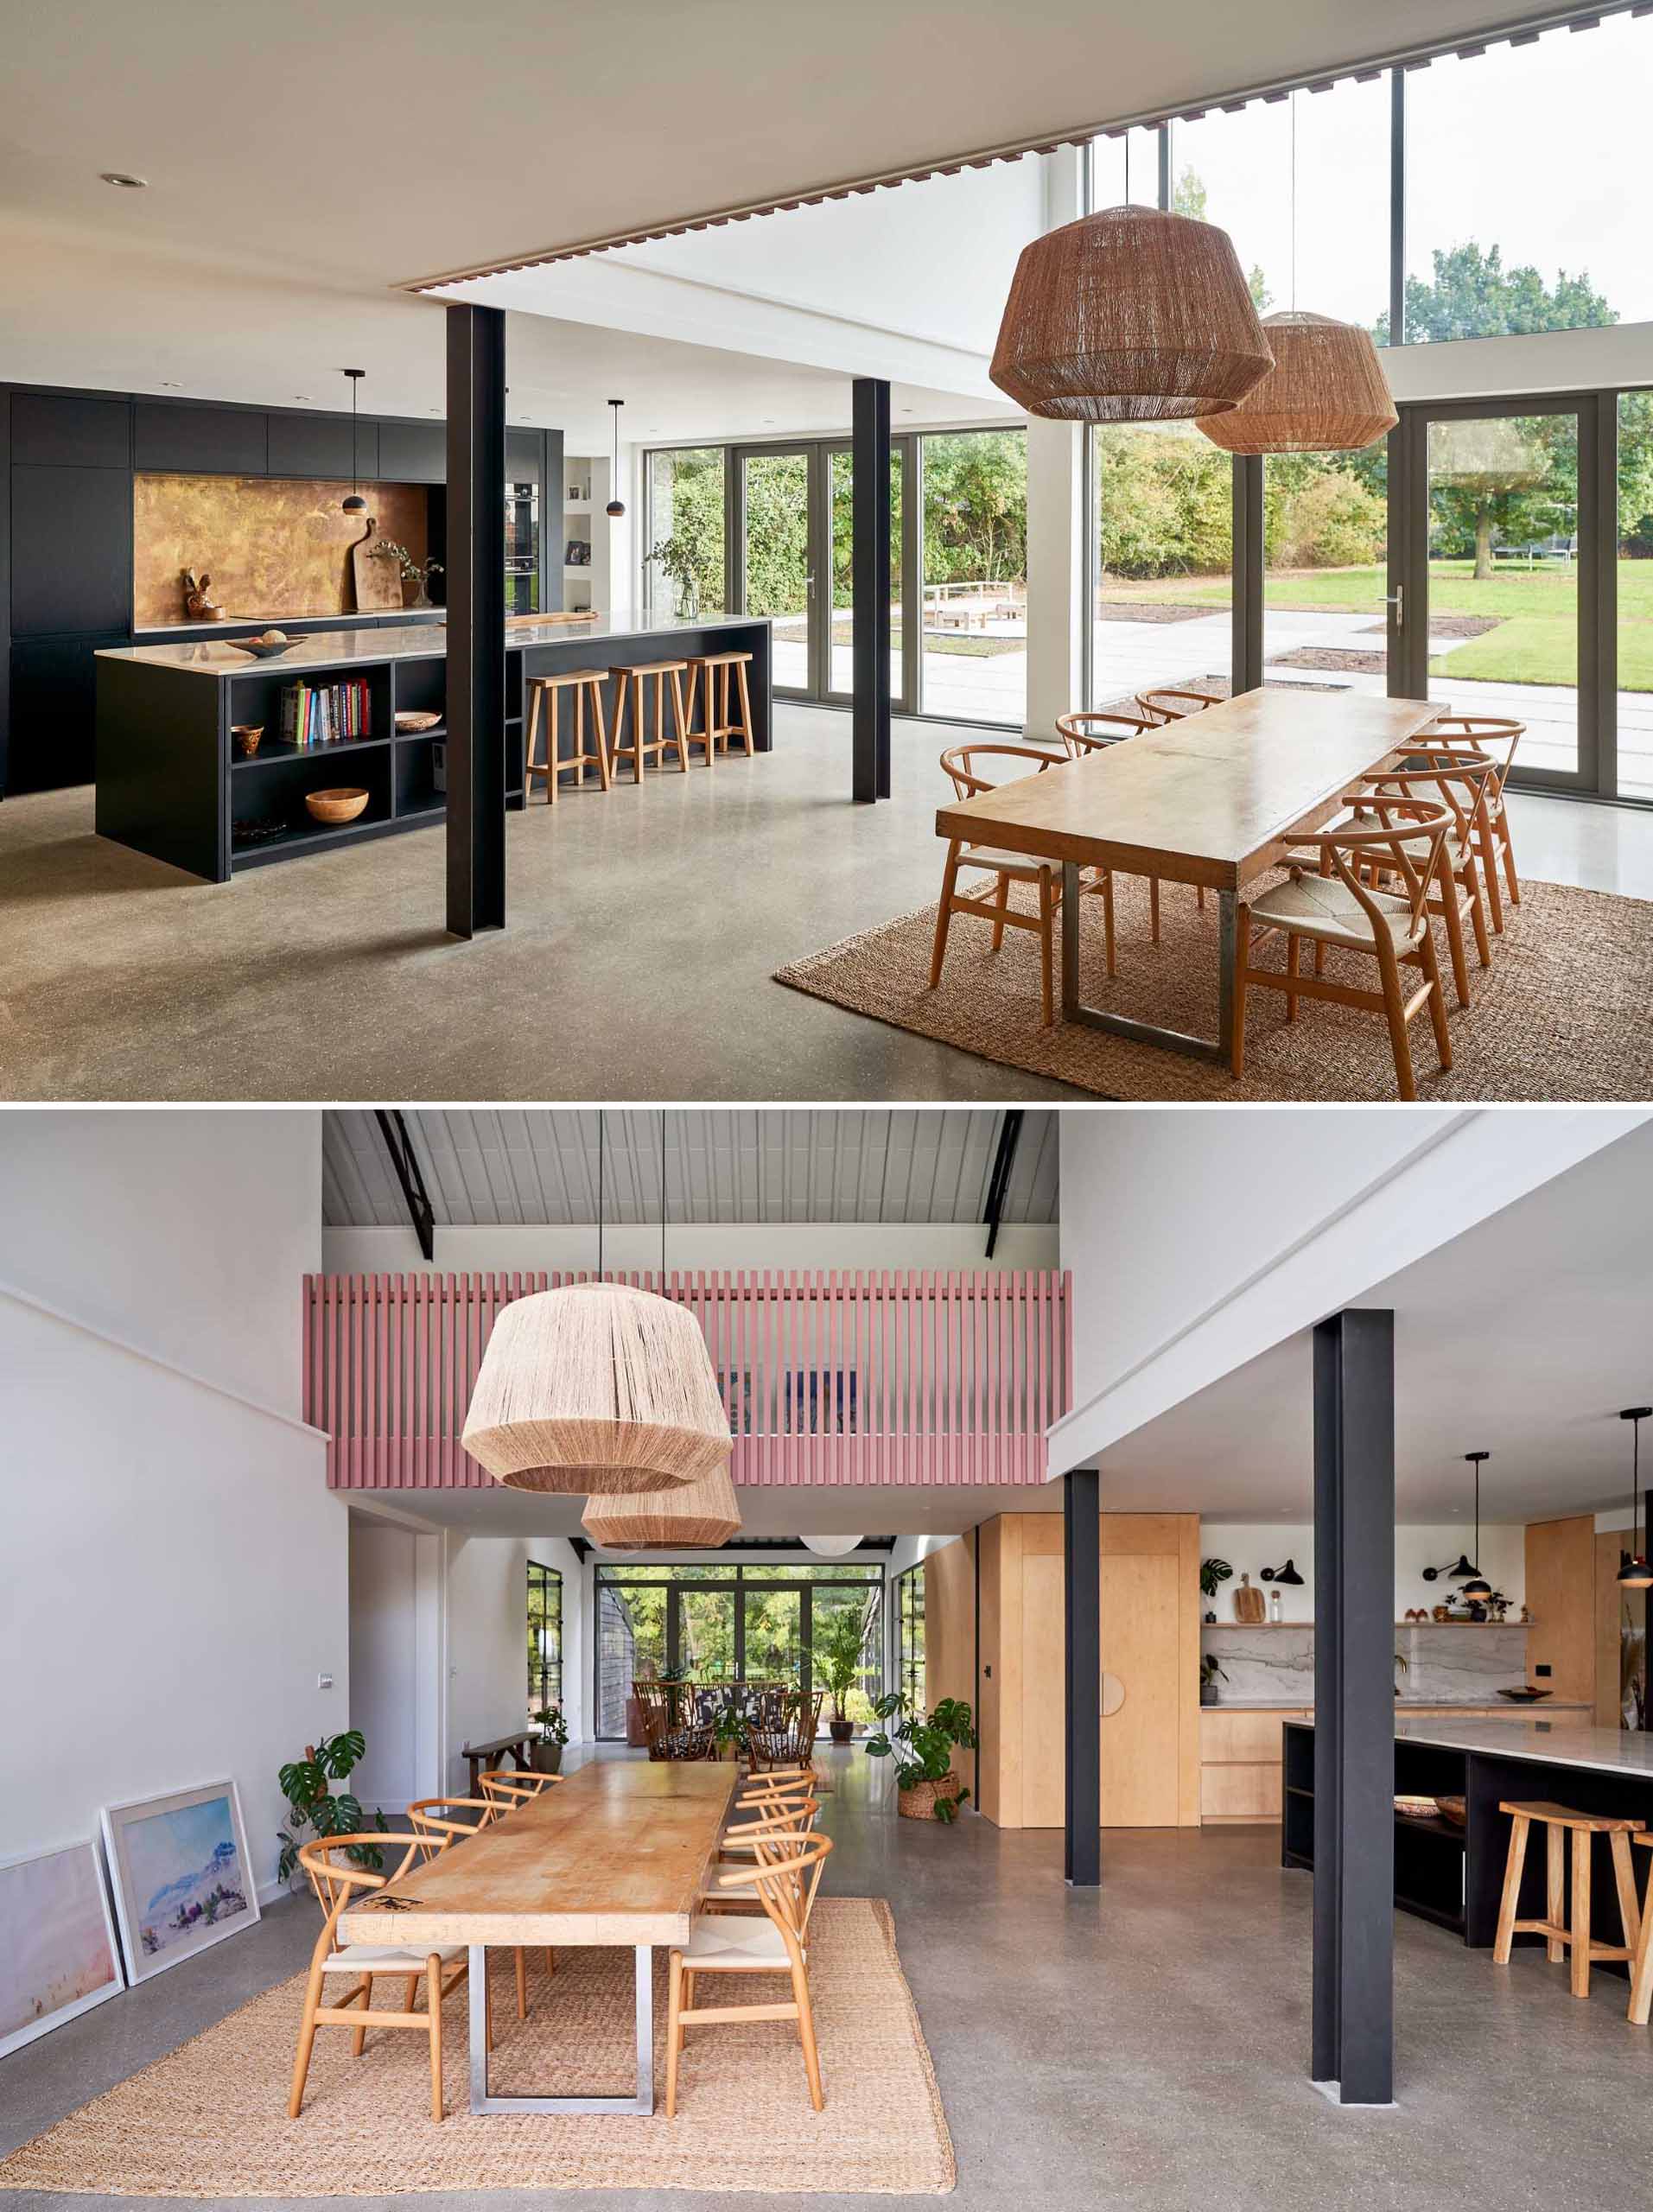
336,806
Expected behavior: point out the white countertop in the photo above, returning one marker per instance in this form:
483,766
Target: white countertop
424,641
1609,1750
1306,1704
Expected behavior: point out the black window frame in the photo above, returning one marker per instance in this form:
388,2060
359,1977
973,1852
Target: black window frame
549,1582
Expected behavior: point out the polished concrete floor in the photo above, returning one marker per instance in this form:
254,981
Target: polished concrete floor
643,930
1144,2046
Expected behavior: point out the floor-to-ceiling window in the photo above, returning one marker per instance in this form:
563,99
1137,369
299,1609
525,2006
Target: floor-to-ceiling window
544,1637
1633,584
685,531
974,536
727,1622
909,1635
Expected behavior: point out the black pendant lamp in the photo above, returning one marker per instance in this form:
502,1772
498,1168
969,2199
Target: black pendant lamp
1635,1574
1477,1587
616,506
355,504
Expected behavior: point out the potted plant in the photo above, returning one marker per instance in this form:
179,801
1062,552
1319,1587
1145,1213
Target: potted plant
545,1756
922,1745
731,1729
306,1785
838,1667
1211,1670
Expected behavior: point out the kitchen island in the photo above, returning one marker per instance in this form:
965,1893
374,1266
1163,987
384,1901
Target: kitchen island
1454,1876
170,784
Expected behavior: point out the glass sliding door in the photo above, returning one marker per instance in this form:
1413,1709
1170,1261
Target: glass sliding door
1161,558
974,665
701,1630
774,1635
1633,578
1501,580
1325,551
775,546
683,560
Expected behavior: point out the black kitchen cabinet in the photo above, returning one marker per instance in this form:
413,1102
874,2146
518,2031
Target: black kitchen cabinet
58,430
71,549
525,452
320,445
200,441
54,711
413,453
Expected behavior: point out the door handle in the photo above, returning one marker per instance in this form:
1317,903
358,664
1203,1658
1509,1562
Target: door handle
1397,599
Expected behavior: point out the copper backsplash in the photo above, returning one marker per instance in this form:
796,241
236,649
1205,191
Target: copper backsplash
272,547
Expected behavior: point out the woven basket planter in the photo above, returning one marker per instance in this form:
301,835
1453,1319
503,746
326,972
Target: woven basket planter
919,1803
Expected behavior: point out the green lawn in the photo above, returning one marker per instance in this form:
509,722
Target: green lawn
1535,641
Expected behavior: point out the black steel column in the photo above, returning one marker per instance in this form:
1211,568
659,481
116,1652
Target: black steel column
870,512
1354,1707
476,619
1249,573
1081,1584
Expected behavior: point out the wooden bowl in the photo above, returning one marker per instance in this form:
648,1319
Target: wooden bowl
246,736
1455,1810
410,722
334,806
1416,1808
260,650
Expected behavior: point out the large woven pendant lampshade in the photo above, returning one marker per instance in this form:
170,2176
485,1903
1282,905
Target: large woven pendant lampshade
1324,394
597,1388
699,1516
1130,315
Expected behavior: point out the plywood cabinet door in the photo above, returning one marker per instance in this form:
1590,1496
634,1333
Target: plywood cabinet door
1141,1650
1044,1771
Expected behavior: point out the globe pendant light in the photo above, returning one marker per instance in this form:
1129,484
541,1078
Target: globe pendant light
1477,1587
597,1388
355,504
696,1517
1324,394
1130,315
831,1546
616,506
1635,1574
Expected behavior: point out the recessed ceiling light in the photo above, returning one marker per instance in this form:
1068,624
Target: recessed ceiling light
167,385
126,183
301,394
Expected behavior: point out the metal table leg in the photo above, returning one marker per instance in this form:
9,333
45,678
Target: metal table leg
1149,1033
642,2104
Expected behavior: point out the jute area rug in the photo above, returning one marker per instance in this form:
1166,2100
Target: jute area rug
1565,1012
210,2120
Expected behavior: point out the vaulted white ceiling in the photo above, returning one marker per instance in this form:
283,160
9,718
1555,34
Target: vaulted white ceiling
534,1166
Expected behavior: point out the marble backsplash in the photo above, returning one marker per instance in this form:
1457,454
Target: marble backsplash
1446,1665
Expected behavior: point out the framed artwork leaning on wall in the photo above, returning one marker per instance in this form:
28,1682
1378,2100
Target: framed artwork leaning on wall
179,1867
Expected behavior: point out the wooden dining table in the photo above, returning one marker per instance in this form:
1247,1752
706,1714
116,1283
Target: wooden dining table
1211,800
619,1853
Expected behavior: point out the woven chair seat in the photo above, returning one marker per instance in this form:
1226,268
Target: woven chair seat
757,1944
1025,865
1453,847
387,1958
1322,906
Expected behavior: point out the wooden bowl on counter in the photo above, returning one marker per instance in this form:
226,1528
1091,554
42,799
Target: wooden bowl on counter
1416,1808
336,806
1454,1809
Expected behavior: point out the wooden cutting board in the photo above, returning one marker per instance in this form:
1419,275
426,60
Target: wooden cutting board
378,582
1250,1603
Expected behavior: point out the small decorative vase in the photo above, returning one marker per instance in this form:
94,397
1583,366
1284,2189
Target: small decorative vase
545,1757
421,594
1208,1692
841,1731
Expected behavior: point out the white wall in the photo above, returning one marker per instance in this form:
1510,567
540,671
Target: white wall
173,1580
1251,1545
869,1245
1199,1237
398,1678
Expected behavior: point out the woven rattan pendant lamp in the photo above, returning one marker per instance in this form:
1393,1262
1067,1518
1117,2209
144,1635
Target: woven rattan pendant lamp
1324,394
1130,315
697,1517
597,1388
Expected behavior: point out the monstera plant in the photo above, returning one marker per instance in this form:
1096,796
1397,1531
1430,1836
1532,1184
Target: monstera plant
307,1785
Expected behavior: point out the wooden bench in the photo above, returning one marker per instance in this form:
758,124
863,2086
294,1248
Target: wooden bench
480,1755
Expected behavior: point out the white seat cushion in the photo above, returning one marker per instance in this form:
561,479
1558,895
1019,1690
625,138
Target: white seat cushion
387,1958
716,1941
1028,864
1324,907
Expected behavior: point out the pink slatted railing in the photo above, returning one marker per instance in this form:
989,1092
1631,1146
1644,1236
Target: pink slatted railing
828,1378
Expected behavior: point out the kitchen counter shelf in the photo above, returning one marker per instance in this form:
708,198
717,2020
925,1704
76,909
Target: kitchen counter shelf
271,749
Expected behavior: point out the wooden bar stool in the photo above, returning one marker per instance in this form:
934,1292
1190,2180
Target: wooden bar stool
724,675
583,683
1641,1970
1563,1930
632,687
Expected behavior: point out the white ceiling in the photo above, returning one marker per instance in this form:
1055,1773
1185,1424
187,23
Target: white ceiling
1522,1338
303,163
537,1166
